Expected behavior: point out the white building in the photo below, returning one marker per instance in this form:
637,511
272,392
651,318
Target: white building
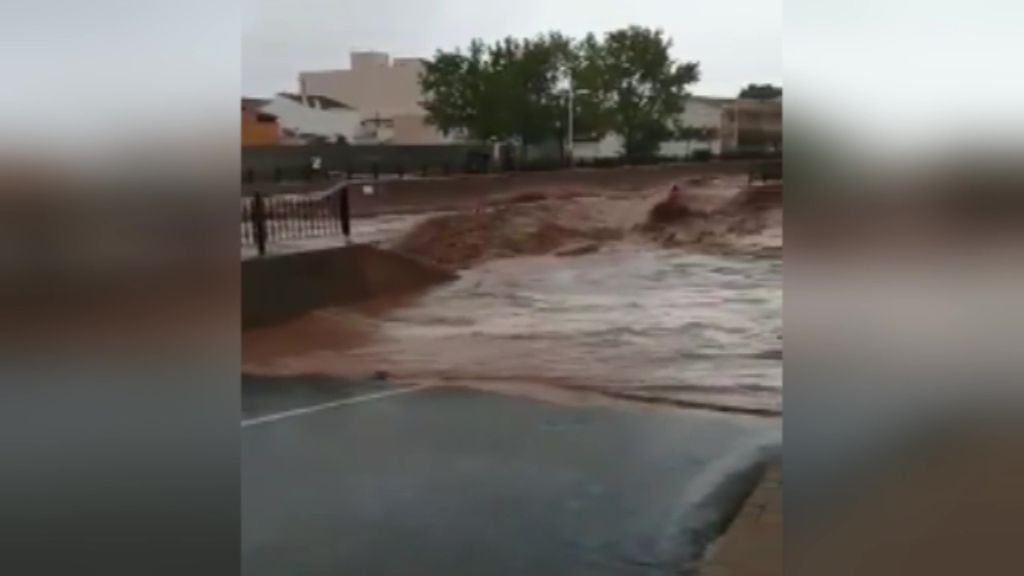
314,117
702,118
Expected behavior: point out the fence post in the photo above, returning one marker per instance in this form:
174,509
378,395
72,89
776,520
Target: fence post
376,171
259,223
343,212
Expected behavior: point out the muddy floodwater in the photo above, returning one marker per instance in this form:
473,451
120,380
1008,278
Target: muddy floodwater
654,323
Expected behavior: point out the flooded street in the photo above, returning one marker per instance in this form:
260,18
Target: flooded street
688,313
658,323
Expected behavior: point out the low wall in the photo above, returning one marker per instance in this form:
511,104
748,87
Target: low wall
412,194
259,162
279,288
398,195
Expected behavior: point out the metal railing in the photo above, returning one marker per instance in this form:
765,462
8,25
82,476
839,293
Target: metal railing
266,219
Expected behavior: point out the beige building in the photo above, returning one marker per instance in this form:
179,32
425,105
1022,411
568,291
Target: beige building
385,92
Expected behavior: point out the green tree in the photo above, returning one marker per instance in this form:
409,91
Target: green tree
592,113
542,67
507,90
456,86
761,92
633,86
515,89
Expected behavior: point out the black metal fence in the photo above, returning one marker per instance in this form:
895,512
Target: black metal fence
266,219
327,162
306,163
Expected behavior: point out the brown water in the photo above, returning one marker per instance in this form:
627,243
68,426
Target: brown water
631,319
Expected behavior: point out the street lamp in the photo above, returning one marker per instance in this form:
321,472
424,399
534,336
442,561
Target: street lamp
571,135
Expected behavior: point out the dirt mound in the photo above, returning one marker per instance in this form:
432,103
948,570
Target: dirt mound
711,217
750,222
670,210
541,194
466,238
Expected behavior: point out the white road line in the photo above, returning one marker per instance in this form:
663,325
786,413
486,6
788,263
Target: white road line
328,405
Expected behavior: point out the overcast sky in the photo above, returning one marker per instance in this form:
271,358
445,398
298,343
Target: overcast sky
736,41
907,73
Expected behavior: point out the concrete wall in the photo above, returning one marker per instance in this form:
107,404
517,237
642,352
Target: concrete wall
610,146
413,129
276,289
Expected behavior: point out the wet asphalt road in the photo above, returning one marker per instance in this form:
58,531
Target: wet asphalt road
453,481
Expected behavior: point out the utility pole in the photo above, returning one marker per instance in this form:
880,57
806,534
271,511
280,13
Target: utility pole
569,145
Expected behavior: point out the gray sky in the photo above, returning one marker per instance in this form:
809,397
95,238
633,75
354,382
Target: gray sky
79,75
908,76
735,41
896,74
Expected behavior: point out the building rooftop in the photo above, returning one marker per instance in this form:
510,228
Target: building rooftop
254,103
322,102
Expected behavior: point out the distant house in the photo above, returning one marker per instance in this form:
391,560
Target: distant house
715,125
259,128
699,127
753,125
305,119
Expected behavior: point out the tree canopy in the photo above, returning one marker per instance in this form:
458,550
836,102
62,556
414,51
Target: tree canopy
506,90
761,91
516,89
637,89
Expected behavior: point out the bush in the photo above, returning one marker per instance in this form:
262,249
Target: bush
700,155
